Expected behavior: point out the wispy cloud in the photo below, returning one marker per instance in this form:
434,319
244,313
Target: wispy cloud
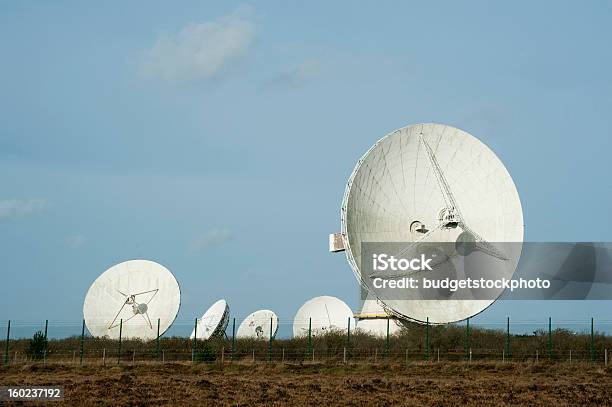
201,50
76,241
14,208
211,238
296,76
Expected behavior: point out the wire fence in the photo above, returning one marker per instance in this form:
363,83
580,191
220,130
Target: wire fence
110,357
414,343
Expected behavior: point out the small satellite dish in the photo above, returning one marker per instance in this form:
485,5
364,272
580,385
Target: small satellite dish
373,319
257,325
325,314
378,326
134,294
213,322
431,183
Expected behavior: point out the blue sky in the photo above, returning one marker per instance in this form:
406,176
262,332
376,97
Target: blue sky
216,138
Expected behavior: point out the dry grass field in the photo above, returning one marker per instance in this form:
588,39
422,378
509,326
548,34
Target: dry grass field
303,375
444,384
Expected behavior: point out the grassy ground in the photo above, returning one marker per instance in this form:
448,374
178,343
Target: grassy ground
445,383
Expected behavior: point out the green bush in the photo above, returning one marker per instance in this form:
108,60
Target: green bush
204,352
37,346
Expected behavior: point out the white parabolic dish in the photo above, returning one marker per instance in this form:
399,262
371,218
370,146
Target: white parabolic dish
257,325
373,319
399,183
378,326
325,314
134,294
213,322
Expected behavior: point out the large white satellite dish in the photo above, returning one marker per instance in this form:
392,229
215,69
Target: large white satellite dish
132,296
213,322
431,182
257,325
325,314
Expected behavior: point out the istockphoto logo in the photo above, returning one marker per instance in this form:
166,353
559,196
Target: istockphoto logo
383,262
454,271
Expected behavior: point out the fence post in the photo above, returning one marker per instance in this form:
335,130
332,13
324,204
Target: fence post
438,355
508,337
344,356
387,341
310,350
46,342
283,357
503,355
120,335
157,341
253,355
467,338
104,357
570,357
427,340
592,340
270,344
233,338
222,356
6,345
549,338
606,357
82,341
195,337
406,357
348,333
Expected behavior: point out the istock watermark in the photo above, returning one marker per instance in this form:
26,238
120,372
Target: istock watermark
382,262
473,270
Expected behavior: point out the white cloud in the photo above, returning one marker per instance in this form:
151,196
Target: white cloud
200,51
296,76
76,241
210,238
14,208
